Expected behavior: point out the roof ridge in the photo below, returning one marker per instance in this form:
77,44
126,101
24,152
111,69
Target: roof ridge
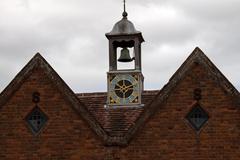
102,94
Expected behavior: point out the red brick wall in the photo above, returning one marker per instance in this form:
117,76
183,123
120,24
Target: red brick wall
64,134
166,136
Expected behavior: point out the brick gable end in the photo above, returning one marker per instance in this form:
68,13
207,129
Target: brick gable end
64,132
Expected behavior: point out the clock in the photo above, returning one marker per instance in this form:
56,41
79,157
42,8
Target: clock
124,89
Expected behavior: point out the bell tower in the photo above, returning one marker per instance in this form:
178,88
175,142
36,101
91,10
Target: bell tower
125,86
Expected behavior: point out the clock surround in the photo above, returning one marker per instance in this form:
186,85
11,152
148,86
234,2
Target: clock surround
124,88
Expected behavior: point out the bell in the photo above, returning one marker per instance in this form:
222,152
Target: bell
125,56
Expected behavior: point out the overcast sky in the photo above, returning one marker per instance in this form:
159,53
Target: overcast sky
70,35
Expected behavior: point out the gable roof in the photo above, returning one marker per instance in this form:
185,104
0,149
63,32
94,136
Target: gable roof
197,57
79,107
117,126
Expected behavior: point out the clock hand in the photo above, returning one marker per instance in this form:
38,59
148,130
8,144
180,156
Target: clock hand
117,89
118,85
131,85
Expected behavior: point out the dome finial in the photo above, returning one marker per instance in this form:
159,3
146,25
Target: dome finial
124,14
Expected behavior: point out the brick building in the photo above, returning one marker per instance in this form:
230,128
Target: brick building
194,116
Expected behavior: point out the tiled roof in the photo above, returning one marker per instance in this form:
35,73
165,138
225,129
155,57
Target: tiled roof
115,121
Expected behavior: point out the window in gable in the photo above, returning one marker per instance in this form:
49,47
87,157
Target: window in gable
197,117
36,119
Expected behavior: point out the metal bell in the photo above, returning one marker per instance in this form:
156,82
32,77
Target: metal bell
125,56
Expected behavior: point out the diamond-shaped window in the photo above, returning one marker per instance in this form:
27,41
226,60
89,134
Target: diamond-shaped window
36,119
197,117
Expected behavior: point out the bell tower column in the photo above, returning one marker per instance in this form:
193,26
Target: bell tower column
137,48
112,56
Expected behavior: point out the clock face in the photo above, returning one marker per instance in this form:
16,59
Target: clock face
124,89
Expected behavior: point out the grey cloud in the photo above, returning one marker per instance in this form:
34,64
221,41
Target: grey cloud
70,35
